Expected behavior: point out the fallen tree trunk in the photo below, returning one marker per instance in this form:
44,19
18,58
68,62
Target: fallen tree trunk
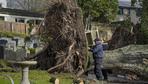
126,60
127,81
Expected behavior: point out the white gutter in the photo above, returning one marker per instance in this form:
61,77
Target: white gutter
25,17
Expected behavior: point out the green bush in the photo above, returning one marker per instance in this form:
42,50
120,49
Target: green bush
30,27
11,34
127,23
32,50
3,64
5,67
144,22
27,38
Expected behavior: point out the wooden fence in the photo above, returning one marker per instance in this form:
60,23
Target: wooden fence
14,27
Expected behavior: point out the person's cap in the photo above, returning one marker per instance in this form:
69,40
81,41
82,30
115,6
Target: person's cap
97,39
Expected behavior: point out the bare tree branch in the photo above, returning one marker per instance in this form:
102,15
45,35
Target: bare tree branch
21,4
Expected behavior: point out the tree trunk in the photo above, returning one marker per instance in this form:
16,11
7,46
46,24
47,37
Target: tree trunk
132,58
65,35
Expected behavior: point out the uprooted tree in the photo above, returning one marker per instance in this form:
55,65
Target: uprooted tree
64,34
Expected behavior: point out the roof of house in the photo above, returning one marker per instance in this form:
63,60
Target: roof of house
131,7
127,4
19,12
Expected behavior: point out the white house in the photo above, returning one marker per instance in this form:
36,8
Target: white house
9,13
125,8
23,16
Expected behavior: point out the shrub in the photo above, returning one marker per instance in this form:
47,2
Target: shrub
11,34
32,50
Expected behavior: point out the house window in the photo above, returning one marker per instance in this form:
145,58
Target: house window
1,18
38,22
126,11
129,11
138,12
120,12
0,5
21,20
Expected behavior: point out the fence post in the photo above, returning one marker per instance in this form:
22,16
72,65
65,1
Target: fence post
11,26
26,29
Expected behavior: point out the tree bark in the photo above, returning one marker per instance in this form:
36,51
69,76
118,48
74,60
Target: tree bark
65,35
132,58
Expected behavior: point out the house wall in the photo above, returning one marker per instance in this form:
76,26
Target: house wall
7,18
128,11
132,14
22,17
12,18
134,18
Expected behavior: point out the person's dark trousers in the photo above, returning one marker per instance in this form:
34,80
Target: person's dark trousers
97,69
105,74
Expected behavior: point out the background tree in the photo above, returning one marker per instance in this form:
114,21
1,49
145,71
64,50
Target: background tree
143,36
31,5
144,22
104,10
133,2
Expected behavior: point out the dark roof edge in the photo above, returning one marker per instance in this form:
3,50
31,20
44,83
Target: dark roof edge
19,12
131,7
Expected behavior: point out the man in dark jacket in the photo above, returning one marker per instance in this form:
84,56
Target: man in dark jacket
98,55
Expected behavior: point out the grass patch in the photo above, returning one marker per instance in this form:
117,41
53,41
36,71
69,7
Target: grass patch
12,34
37,77
3,64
